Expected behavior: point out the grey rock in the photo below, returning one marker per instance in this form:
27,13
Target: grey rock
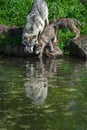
77,48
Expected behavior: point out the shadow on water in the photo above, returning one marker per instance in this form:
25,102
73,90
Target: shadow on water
43,95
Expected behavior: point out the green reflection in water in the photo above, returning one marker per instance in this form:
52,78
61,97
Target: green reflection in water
43,96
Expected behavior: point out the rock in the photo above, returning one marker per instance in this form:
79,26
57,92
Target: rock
57,53
77,48
3,28
15,31
10,41
7,50
19,51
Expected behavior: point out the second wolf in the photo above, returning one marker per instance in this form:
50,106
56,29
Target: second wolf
47,38
68,23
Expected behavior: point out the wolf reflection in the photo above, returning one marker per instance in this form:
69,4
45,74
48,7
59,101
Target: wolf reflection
35,82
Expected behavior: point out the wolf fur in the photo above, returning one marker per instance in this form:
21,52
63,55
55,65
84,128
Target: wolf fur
41,6
35,23
68,23
30,35
47,38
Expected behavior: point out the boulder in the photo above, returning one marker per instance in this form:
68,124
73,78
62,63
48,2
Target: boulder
77,48
57,53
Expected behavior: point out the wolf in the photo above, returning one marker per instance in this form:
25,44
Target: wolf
68,23
30,35
35,23
47,38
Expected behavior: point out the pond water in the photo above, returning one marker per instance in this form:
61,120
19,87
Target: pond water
43,95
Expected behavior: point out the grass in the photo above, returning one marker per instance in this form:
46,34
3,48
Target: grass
14,12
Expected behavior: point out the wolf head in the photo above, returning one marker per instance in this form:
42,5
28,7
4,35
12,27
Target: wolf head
29,40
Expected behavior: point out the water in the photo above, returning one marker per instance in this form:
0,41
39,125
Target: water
48,95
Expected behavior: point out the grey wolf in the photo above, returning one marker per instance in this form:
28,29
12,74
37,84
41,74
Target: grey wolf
47,38
35,23
68,23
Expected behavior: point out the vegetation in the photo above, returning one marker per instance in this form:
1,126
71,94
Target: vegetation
14,12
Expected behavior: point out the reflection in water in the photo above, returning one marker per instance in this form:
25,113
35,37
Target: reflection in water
36,84
36,79
59,84
59,73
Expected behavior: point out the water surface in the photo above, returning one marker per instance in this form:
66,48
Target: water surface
47,95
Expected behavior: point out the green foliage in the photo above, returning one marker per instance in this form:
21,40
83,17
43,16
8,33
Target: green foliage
14,12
